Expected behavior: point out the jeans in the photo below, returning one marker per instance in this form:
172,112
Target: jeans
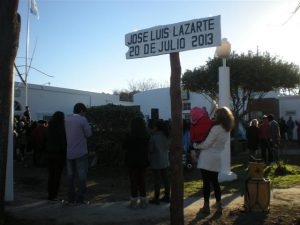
158,175
79,166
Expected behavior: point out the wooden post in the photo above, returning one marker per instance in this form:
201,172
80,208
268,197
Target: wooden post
176,209
10,22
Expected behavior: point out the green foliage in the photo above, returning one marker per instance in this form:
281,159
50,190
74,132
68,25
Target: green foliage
110,124
251,76
290,178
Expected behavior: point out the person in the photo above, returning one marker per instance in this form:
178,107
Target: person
186,140
200,127
77,132
39,143
252,137
298,130
136,160
56,147
27,114
209,160
290,129
159,160
264,136
283,129
274,138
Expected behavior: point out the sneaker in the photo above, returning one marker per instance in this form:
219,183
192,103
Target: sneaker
68,203
143,202
154,201
133,203
219,207
205,209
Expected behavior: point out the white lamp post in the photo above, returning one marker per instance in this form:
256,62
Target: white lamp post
223,52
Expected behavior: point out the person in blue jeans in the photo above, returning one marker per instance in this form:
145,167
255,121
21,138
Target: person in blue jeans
159,146
77,132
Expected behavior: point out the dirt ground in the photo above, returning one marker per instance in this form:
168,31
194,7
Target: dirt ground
108,188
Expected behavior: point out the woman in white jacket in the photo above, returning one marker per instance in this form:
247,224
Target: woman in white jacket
209,161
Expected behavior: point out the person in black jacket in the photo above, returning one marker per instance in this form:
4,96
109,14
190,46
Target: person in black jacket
136,160
56,146
252,133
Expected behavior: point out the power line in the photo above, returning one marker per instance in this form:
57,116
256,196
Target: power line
293,13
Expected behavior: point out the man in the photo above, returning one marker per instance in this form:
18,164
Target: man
26,114
264,137
290,128
77,132
274,137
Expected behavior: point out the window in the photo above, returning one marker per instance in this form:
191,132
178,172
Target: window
186,106
154,114
185,95
186,116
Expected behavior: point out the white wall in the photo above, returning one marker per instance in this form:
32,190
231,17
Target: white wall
156,98
160,98
45,100
290,106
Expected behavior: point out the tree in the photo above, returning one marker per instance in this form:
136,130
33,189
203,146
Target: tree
137,86
251,76
144,85
10,23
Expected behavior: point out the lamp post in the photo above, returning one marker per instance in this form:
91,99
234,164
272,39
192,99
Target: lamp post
223,52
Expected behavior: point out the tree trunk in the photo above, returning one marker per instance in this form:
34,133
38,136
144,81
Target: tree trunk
176,208
10,22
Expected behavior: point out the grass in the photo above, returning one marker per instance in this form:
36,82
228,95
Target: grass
291,178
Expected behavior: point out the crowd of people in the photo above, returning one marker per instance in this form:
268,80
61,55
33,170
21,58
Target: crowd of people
204,139
62,142
268,135
55,144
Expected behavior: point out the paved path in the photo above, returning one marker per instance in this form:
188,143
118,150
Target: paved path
105,213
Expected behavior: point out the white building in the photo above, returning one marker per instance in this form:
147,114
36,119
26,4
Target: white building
157,103
43,100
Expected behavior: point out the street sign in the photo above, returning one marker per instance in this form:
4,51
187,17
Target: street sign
183,36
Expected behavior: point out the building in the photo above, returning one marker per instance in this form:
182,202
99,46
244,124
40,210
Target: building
156,103
43,100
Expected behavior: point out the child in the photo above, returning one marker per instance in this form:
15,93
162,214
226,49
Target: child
201,125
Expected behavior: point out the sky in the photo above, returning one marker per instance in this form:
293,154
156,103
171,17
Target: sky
81,43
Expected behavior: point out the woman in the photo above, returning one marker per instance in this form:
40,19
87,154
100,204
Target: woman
209,160
56,146
136,160
252,134
159,160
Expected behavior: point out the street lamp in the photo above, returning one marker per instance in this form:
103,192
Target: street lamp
223,52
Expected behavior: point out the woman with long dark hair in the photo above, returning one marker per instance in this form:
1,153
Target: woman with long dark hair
56,146
136,160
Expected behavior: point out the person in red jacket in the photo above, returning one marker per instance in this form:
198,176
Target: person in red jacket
264,137
200,127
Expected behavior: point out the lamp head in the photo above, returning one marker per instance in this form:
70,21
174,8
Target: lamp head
223,51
